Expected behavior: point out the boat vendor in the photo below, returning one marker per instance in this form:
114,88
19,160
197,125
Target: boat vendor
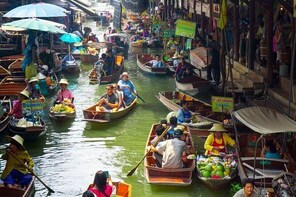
109,101
217,141
64,94
34,89
102,185
16,112
169,153
15,174
127,87
184,115
248,189
157,63
269,150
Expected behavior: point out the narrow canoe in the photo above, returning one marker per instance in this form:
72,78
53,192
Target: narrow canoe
143,62
165,176
60,116
92,115
120,189
4,119
88,58
119,67
193,85
31,133
172,101
29,192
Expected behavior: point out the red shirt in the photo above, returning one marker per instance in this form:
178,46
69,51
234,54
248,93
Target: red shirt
108,191
17,110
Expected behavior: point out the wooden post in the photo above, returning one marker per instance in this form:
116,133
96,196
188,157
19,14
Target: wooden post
202,22
165,9
251,49
236,34
269,39
211,16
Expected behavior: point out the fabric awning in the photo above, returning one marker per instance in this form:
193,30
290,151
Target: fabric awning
265,120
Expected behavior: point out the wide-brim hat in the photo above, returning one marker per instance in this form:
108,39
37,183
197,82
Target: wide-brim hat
124,74
181,127
33,79
40,76
25,93
64,81
217,127
18,139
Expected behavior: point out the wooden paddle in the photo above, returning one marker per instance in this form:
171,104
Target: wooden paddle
31,171
155,143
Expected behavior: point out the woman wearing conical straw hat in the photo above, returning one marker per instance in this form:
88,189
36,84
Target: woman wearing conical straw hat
16,174
217,141
64,94
17,107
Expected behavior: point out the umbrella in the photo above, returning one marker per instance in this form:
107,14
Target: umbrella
34,10
36,24
70,38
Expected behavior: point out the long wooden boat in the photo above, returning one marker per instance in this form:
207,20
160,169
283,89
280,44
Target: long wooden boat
28,133
15,68
87,58
172,101
193,85
143,62
7,60
4,72
12,85
60,116
121,189
71,67
4,119
92,115
28,192
165,176
119,67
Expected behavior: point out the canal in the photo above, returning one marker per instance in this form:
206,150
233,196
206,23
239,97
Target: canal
68,156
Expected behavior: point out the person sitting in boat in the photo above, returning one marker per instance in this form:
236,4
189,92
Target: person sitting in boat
184,115
127,88
102,185
88,193
110,62
217,141
16,174
128,26
119,94
92,37
109,101
157,63
180,67
16,111
136,37
169,153
269,150
173,125
159,130
34,89
64,94
186,73
68,58
248,189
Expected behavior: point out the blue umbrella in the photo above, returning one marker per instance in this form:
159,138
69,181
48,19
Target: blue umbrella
70,38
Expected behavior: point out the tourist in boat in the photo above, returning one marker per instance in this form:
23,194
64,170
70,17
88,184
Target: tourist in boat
64,94
136,37
119,94
184,115
157,63
169,153
173,125
248,189
102,185
34,88
16,111
128,26
159,130
100,66
269,150
16,175
109,101
217,141
110,62
128,88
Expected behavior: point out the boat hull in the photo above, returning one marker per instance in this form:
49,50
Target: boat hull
193,85
29,192
62,116
88,58
142,61
28,133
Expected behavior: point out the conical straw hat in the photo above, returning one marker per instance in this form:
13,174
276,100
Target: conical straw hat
217,127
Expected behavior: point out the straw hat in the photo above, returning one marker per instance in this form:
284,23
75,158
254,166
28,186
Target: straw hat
33,79
40,76
176,55
124,74
25,93
182,128
217,127
18,139
64,81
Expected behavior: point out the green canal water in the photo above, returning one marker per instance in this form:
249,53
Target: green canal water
70,153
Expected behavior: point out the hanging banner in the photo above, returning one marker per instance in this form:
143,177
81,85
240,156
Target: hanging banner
185,28
222,104
34,106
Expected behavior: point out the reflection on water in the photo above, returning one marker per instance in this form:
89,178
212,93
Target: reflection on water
67,158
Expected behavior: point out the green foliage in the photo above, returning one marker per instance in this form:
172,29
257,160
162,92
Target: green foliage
234,187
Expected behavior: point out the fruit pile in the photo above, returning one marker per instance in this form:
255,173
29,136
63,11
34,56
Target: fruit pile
62,108
216,168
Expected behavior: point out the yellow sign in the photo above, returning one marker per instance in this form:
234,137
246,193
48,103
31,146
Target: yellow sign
185,28
34,105
222,104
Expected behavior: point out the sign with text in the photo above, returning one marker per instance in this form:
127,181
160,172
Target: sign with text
33,106
222,104
185,28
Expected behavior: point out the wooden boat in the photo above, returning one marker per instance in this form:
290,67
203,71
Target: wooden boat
4,73
193,85
92,115
87,58
172,101
28,133
265,124
119,67
28,192
12,85
7,60
71,67
165,176
4,119
15,68
121,189
61,115
143,63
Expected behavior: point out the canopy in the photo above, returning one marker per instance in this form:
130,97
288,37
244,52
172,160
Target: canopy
39,10
70,38
264,120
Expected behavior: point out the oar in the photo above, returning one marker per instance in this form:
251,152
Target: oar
135,93
155,143
33,173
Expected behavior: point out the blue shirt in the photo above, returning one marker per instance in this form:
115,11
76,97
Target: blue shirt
183,115
128,96
272,155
